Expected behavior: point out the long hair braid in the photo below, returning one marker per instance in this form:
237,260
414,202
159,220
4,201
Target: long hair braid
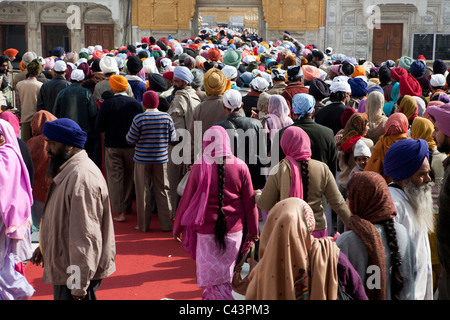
396,260
220,228
305,179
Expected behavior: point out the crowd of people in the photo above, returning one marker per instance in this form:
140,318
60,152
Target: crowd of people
335,169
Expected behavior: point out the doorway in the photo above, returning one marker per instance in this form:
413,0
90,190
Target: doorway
245,15
387,42
14,36
54,35
99,34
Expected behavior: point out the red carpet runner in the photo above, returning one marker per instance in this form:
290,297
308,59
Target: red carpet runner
149,266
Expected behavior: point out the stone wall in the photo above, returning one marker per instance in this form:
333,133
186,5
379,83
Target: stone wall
33,14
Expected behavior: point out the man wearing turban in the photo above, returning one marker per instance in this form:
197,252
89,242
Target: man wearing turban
247,135
26,59
77,103
406,162
441,134
78,209
114,119
109,66
210,111
27,92
181,109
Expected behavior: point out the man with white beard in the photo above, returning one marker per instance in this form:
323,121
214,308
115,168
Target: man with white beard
406,162
441,117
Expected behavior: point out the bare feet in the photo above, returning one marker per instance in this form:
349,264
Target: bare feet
120,217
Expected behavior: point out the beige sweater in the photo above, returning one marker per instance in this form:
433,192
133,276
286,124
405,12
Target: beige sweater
77,228
322,183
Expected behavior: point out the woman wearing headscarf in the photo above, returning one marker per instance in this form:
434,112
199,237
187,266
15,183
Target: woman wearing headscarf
423,128
396,129
36,144
217,199
380,249
391,106
377,120
355,130
293,265
277,117
297,175
15,217
408,106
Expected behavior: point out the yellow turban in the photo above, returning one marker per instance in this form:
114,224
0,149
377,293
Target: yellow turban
215,82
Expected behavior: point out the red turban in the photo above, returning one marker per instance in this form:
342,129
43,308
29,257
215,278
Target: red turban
397,73
410,86
214,54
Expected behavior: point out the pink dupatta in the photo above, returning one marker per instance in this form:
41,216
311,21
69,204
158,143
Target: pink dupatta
296,146
216,146
16,199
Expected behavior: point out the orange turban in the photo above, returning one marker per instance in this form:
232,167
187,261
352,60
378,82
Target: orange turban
310,72
359,71
11,52
118,83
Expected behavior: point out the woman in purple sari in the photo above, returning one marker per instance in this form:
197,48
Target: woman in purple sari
210,217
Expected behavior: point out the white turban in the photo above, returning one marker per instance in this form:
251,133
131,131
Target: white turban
28,57
361,149
230,72
232,99
184,74
109,65
340,84
259,84
77,75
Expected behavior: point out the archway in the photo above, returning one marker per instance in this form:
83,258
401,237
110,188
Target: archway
248,14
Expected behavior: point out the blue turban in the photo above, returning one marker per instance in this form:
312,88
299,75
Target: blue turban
184,74
303,104
439,67
417,69
404,158
58,51
359,87
65,131
375,88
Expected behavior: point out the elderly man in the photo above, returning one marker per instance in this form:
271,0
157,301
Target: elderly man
406,162
441,134
77,245
181,110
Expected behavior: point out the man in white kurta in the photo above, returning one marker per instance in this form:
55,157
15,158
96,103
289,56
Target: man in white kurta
405,216
406,162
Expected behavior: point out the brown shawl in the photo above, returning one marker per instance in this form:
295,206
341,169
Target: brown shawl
370,202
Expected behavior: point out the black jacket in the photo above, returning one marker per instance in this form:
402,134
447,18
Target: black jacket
250,132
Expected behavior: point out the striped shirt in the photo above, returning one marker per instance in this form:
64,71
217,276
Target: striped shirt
151,133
